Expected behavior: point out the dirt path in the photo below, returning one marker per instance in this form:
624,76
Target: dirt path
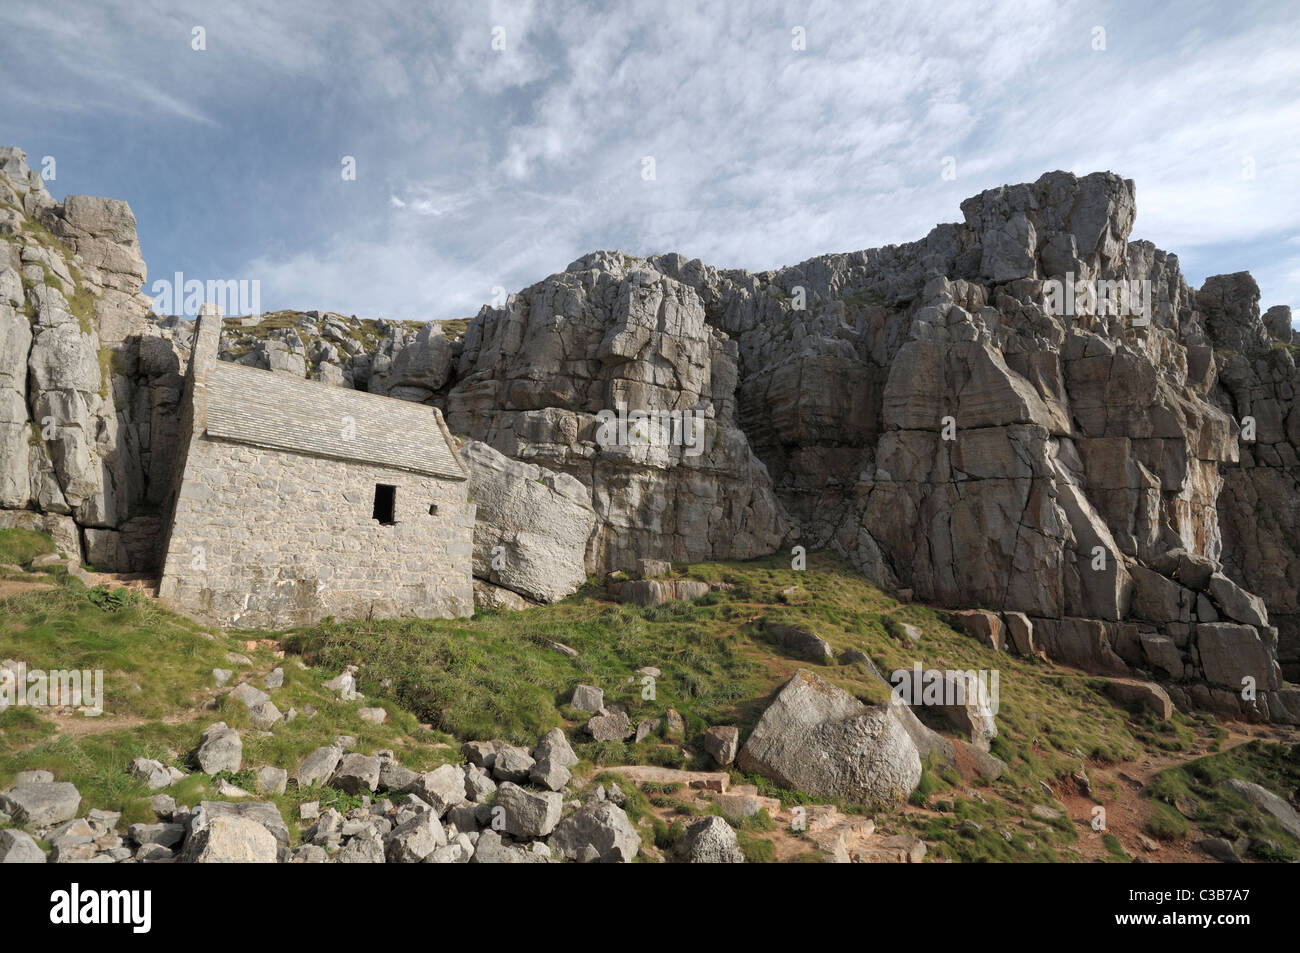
17,587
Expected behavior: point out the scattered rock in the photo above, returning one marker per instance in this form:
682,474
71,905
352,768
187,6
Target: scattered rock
319,766
820,740
601,826
356,774
722,742
612,726
527,813
41,804
18,847
220,749
231,840
588,698
710,840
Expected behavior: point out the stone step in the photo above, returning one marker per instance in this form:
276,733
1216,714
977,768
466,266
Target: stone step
702,780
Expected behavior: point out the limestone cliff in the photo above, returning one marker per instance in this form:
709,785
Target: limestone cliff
928,410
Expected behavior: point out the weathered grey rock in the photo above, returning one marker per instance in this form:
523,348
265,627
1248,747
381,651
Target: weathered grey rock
1155,597
492,849
1220,849
971,707
655,592
722,742
555,746
611,726
260,812
600,826
265,714
512,764
271,780
528,813
1230,653
482,754
587,698
1268,802
153,773
220,749
274,678
710,840
249,695
653,568
396,777
365,848
441,788
1142,695
167,835
345,684
231,840
537,522
820,740
17,847
356,774
1162,654
549,774
41,804
488,596
1020,633
413,841
801,643
479,785
1235,603
319,766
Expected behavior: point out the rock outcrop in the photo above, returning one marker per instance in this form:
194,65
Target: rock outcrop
820,740
1024,411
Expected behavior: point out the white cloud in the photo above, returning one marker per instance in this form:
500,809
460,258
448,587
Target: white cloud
484,167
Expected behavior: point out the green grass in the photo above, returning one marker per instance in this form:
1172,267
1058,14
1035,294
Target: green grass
493,676
21,546
1220,812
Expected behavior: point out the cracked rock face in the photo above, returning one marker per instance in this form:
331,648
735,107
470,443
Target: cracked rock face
75,410
940,413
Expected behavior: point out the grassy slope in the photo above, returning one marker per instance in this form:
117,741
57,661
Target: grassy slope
494,676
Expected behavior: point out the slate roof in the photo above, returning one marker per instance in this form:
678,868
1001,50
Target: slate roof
252,406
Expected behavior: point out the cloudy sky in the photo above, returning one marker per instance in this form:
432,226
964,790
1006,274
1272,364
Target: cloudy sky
495,142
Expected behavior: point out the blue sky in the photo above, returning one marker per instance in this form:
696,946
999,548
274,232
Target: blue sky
480,167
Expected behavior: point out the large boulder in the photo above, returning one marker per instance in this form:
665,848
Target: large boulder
710,840
599,831
220,749
17,847
527,813
531,525
319,766
231,840
1230,653
41,804
820,740
1268,802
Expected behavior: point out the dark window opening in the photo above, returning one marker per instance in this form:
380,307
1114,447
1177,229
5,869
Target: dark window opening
385,504
433,509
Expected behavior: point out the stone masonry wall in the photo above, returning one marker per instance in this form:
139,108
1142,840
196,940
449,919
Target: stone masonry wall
263,538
